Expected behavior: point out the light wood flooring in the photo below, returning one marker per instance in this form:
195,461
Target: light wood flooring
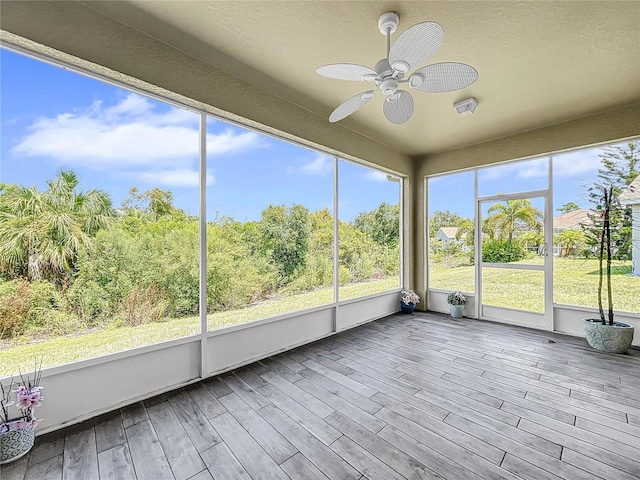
417,396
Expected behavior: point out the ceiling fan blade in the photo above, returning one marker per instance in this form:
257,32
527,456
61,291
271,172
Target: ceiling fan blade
399,110
415,46
350,106
347,71
445,77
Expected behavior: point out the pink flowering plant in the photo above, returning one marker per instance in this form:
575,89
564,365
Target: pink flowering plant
28,396
456,298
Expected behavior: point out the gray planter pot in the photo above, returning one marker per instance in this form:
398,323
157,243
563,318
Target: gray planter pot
456,311
614,338
15,444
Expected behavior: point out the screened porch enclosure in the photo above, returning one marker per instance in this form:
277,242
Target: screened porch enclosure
533,261
235,314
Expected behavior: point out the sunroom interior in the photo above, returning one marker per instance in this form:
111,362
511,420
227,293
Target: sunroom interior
554,78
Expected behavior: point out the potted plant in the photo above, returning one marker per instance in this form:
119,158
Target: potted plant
602,333
408,300
17,431
456,301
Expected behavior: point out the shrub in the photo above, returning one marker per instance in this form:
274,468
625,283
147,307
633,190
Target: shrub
91,303
36,308
143,305
440,251
344,275
48,313
318,272
390,261
15,304
51,321
496,251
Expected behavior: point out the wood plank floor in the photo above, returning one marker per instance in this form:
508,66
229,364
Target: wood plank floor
417,396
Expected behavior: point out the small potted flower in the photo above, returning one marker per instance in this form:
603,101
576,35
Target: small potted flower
408,300
456,301
17,431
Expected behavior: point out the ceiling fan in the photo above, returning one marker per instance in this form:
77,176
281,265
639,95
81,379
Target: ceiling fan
410,50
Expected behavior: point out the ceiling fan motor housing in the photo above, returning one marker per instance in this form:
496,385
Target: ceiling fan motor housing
389,86
385,80
383,69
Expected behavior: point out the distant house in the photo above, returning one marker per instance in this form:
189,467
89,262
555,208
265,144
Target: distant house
631,197
570,221
447,234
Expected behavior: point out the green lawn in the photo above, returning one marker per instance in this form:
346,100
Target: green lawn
19,355
575,283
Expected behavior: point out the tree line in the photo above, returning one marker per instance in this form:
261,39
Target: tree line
513,229
71,261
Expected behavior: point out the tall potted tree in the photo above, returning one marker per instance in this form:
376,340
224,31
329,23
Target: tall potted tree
604,333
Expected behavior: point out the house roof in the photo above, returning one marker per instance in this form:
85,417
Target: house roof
450,232
572,219
631,195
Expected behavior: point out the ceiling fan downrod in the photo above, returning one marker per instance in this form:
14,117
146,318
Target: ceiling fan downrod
387,24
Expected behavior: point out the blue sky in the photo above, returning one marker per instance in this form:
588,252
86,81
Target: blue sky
52,118
572,172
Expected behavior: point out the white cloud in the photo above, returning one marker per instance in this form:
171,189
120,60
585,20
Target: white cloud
576,163
319,165
132,134
564,165
134,105
173,178
375,176
513,170
228,141
533,168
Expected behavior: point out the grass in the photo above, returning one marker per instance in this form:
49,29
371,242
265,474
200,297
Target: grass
300,301
575,282
20,354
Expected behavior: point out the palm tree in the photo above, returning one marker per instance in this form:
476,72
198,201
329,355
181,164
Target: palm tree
514,215
41,233
466,232
570,241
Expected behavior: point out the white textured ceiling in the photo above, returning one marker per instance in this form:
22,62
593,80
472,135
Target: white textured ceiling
540,63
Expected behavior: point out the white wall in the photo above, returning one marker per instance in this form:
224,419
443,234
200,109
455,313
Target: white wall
437,301
84,389
230,348
566,318
81,390
442,237
356,312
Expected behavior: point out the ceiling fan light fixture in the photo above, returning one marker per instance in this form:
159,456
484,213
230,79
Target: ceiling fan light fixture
394,97
466,107
415,80
400,66
389,86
